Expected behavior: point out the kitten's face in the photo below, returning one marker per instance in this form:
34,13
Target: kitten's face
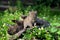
33,13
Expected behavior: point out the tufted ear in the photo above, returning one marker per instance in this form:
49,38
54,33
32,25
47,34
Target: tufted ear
15,21
23,16
18,22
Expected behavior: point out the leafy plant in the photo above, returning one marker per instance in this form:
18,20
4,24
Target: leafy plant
48,33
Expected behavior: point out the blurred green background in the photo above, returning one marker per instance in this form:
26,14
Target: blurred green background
47,9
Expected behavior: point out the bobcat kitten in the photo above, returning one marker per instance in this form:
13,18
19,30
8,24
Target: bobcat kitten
13,29
39,22
29,20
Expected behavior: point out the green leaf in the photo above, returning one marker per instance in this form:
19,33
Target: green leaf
58,32
53,29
